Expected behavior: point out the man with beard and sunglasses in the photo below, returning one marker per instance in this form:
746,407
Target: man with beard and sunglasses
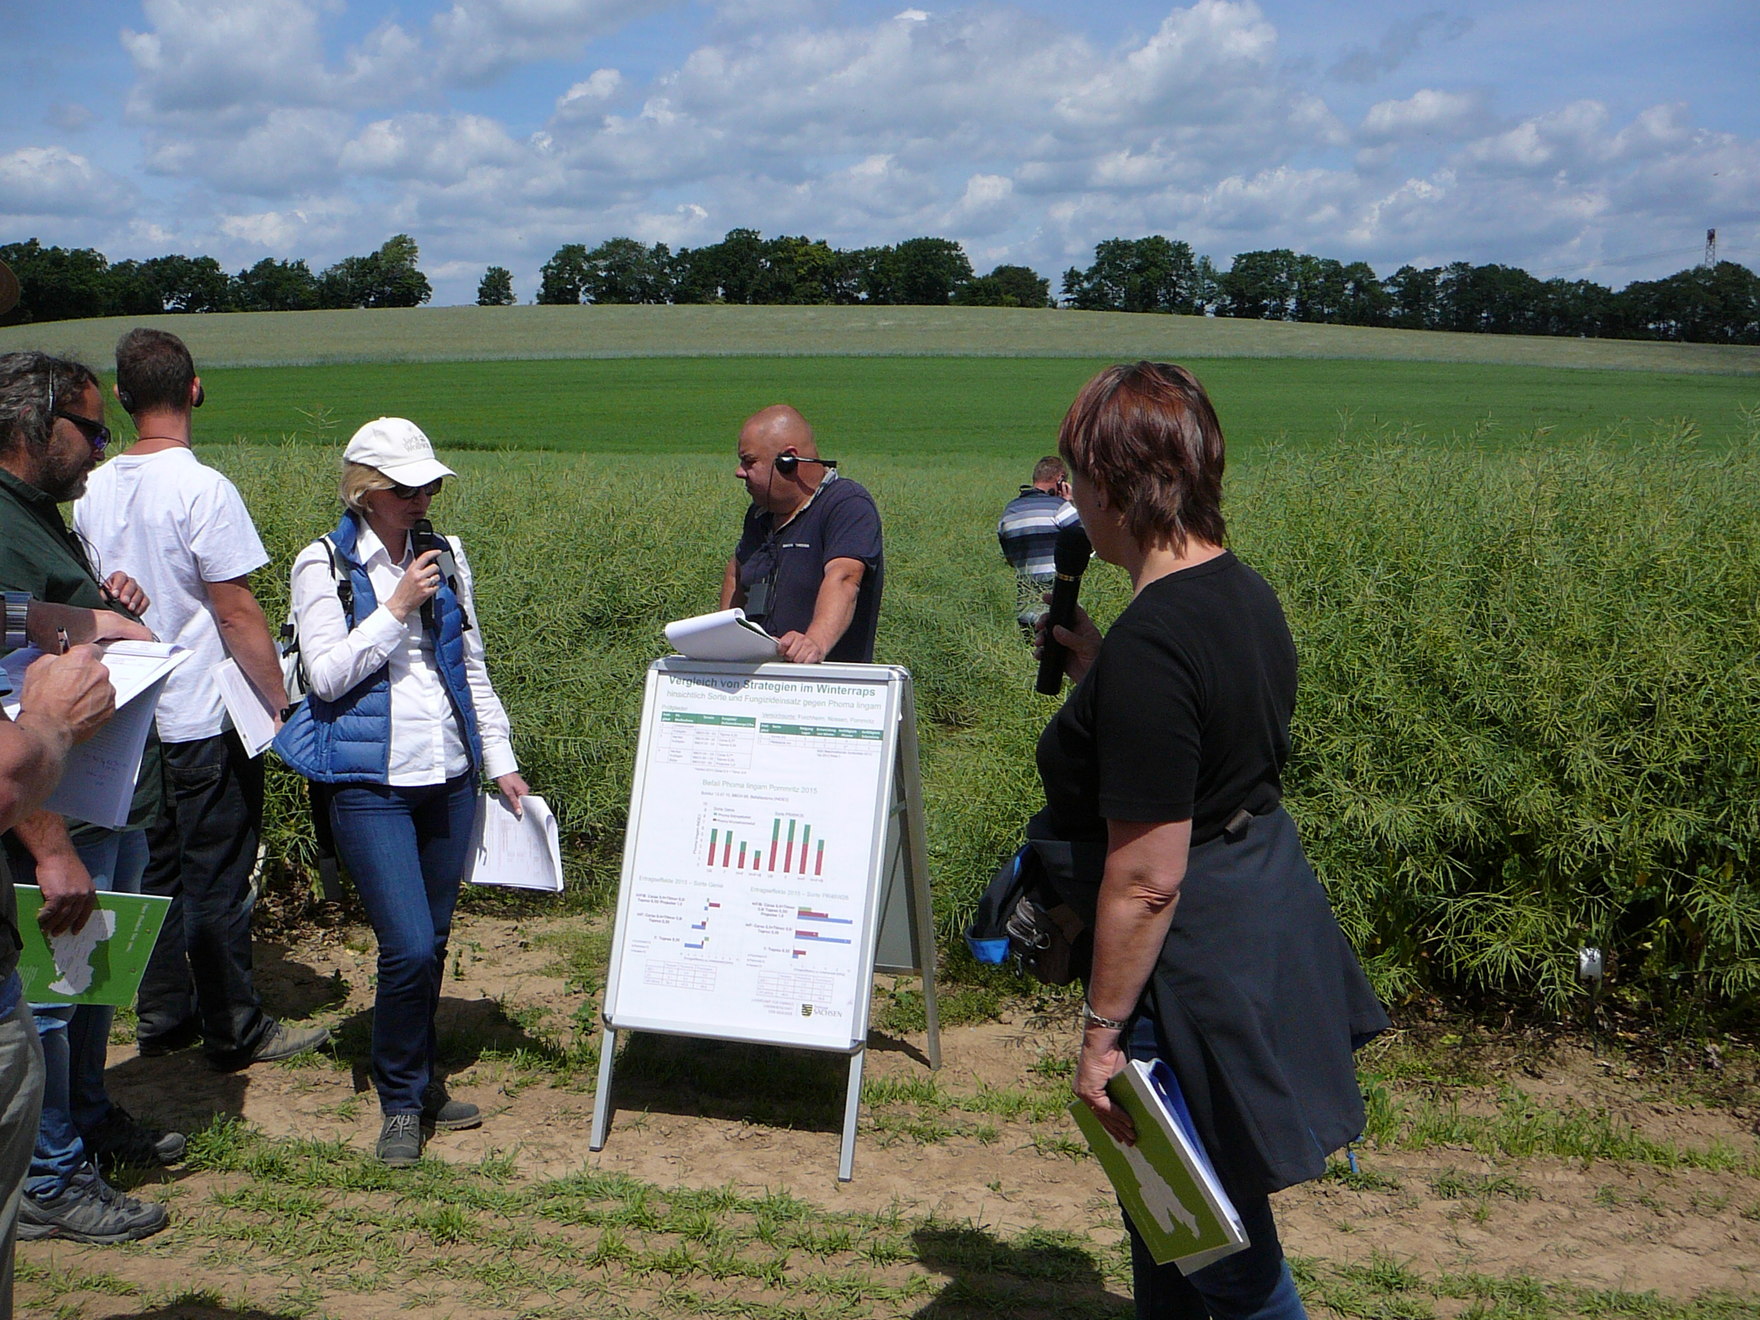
186,530
52,435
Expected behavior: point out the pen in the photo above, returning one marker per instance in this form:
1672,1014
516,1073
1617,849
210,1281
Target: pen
61,641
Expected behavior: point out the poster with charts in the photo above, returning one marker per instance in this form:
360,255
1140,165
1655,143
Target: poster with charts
751,866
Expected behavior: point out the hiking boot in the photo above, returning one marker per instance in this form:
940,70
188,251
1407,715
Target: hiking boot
441,1112
279,1042
400,1140
89,1209
180,1037
119,1140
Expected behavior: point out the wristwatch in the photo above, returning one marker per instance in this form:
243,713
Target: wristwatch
1091,1018
18,609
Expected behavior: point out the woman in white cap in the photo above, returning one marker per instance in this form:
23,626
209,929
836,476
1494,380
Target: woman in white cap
401,722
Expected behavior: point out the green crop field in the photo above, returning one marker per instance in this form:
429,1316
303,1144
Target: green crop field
433,334
902,381
1525,596
919,407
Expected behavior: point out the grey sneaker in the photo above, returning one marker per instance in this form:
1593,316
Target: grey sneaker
119,1141
89,1209
279,1042
442,1112
400,1140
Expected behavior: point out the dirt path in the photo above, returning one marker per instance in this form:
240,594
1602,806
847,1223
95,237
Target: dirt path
1627,1225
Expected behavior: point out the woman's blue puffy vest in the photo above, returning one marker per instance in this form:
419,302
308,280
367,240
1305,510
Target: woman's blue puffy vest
348,741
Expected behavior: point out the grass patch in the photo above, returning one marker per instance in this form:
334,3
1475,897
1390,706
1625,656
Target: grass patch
1521,1127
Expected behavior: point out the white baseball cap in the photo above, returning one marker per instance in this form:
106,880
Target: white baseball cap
398,449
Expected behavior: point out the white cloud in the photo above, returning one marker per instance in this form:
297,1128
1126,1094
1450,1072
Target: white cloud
432,149
478,40
52,181
587,96
1427,113
296,126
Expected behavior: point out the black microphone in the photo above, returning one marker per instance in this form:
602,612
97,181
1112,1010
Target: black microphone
423,538
1072,555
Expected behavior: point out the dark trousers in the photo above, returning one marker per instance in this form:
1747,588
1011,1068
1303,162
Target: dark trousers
405,850
203,849
1253,1284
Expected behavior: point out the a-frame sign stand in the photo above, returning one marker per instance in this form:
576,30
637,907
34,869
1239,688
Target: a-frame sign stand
811,773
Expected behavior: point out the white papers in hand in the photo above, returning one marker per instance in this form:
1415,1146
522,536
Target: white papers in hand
252,719
522,852
723,635
98,783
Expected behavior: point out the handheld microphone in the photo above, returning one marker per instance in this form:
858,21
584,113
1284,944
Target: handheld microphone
1072,555
424,538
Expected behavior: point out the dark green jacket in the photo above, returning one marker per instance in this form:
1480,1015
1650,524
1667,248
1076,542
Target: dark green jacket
40,553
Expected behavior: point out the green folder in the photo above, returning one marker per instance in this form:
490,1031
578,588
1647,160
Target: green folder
102,962
1165,1182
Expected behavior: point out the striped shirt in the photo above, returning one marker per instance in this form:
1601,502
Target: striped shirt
1028,530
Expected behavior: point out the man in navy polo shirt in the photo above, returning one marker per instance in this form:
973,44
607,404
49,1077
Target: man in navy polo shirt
808,566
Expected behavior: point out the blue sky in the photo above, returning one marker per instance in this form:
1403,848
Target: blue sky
1590,140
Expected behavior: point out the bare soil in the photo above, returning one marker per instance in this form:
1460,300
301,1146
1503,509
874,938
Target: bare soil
1678,1232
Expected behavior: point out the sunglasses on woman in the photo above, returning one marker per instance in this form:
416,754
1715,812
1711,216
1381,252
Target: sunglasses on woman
410,492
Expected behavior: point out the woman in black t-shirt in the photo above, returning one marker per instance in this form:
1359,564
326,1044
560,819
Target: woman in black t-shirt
1214,945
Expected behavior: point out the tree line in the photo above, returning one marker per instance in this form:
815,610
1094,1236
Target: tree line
1709,304
1717,304
60,284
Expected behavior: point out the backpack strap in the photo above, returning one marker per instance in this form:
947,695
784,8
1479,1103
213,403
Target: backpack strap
344,584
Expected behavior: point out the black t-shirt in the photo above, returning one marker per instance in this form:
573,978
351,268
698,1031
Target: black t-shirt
1185,712
781,572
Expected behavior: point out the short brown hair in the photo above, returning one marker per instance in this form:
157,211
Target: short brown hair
153,370
1049,468
1146,435
357,480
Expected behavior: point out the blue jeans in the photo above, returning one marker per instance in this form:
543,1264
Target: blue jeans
76,1037
203,849
1253,1284
406,849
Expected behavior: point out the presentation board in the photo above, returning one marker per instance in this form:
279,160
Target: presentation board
775,816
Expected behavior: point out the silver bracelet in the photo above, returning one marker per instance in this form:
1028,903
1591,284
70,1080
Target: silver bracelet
1091,1018
18,610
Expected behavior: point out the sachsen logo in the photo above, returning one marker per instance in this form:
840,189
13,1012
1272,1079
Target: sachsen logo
806,1010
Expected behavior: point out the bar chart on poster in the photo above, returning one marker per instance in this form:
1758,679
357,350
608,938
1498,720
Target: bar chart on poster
750,878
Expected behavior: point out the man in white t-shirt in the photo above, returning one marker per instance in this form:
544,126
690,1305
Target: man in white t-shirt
184,525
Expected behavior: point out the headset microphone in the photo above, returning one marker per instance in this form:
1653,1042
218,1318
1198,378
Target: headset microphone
1072,555
787,463
423,538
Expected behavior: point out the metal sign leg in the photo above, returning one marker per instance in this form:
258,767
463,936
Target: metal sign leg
846,1158
602,1095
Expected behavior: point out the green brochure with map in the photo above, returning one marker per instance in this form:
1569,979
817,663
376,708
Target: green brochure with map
1165,1182
101,962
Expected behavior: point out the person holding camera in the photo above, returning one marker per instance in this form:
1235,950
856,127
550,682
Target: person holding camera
1027,532
400,723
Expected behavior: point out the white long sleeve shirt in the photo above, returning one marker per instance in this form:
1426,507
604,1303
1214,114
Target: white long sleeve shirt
427,745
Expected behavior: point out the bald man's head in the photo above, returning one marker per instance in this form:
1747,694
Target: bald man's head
767,435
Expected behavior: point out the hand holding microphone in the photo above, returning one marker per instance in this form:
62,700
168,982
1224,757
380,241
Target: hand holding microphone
424,540
1071,557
